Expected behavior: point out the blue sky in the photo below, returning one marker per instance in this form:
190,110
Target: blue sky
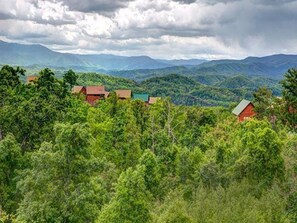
173,29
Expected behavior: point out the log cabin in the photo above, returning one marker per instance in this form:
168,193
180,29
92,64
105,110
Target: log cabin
95,93
244,110
31,79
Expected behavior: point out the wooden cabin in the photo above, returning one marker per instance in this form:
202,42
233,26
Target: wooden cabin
153,100
142,97
95,93
124,94
31,79
244,110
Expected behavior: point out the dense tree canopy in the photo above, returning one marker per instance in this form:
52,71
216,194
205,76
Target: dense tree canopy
290,96
62,160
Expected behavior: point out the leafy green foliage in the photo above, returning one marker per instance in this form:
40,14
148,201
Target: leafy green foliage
70,78
60,185
290,87
63,160
110,82
11,161
263,102
262,147
234,204
131,200
45,101
182,90
152,171
290,95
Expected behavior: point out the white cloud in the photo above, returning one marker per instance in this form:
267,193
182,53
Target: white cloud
158,28
96,26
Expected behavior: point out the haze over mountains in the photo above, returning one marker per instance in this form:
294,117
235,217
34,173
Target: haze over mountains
30,55
144,67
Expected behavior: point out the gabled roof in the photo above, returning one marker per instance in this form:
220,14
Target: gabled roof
153,100
124,93
77,89
97,90
142,97
240,107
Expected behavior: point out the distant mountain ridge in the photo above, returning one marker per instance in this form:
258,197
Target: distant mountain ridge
187,63
270,67
29,55
273,66
37,55
143,67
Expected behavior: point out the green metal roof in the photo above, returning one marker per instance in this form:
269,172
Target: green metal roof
142,97
241,106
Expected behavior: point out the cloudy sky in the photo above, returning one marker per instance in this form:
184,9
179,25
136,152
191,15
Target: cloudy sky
210,29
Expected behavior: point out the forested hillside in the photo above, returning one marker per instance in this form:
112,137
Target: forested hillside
62,160
271,67
185,90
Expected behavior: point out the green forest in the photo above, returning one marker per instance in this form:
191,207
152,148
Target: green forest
183,90
121,161
182,87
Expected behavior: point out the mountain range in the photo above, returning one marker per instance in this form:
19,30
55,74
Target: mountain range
37,55
141,68
273,67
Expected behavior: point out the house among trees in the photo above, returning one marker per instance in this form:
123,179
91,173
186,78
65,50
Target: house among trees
92,93
95,93
124,94
244,110
31,79
142,97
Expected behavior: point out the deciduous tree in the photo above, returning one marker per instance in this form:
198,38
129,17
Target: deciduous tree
61,184
130,203
290,95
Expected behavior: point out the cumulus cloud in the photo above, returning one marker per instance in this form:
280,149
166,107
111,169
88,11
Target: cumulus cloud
158,28
46,12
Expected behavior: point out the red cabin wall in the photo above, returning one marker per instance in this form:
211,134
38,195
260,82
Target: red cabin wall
91,99
248,112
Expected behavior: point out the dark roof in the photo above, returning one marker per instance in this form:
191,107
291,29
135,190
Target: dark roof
240,107
124,93
142,97
96,90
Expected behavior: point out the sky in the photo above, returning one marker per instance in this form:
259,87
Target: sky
165,29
